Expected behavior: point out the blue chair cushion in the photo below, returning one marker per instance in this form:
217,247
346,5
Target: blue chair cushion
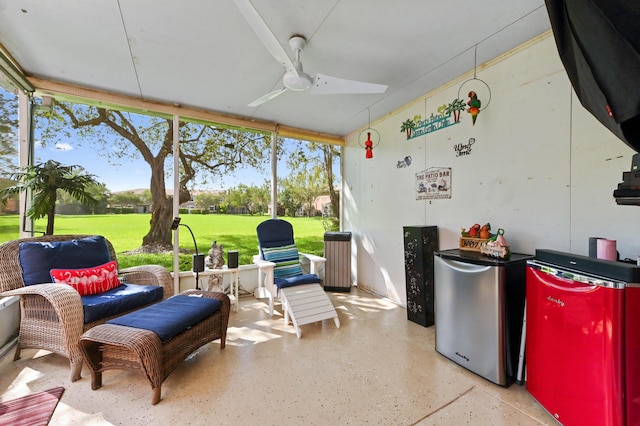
274,233
171,317
296,280
38,258
118,300
286,258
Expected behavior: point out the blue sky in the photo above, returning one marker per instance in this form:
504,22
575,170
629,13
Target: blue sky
124,174
129,175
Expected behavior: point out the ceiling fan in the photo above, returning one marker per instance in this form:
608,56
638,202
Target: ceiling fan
295,78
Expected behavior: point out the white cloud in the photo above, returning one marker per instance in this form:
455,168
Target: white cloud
63,146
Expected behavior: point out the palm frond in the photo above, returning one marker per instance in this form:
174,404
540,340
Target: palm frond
44,179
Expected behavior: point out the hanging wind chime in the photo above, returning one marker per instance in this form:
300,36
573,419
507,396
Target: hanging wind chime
474,103
372,139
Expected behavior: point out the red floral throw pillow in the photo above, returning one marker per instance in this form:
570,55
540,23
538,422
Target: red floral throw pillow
95,280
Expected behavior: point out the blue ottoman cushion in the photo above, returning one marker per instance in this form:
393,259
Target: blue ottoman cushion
118,300
170,317
296,280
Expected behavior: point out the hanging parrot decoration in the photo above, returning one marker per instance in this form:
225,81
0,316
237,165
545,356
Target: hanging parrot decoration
474,106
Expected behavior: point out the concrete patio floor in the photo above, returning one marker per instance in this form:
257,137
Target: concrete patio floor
377,368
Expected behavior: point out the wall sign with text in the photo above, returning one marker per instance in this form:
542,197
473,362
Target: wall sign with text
462,149
433,183
447,115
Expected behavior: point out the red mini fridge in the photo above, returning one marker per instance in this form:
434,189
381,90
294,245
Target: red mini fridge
582,339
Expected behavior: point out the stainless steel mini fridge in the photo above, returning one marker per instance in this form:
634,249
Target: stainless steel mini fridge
479,310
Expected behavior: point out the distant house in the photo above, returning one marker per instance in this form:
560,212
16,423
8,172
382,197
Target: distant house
191,204
12,205
321,206
137,207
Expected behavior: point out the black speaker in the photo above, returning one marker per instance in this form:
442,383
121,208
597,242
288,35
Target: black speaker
232,259
198,262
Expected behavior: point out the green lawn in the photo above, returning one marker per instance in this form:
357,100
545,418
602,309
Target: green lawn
235,232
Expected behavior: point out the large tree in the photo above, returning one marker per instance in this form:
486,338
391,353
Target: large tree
205,151
304,186
288,199
307,157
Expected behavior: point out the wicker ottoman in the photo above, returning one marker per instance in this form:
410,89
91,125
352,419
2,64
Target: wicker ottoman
116,347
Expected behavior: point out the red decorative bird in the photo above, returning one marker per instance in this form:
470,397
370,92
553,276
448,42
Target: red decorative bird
474,106
474,230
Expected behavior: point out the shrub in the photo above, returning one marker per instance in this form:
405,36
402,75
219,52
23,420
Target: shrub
331,225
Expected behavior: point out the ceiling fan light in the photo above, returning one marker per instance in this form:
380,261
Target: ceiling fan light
297,83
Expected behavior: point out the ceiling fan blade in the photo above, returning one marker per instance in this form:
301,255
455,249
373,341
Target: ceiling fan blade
327,85
267,97
264,34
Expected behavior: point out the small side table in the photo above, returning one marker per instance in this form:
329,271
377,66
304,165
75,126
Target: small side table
233,286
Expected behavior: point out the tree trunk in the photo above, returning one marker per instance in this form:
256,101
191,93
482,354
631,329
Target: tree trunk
51,216
161,211
333,196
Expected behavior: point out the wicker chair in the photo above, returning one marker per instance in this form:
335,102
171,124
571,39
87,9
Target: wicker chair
52,314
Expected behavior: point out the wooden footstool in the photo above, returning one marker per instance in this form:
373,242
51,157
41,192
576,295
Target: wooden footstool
119,347
306,303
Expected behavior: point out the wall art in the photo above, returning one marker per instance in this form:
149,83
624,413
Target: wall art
404,163
447,115
462,149
433,183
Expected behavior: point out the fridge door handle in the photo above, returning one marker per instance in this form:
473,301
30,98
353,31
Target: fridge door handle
560,282
569,280
465,267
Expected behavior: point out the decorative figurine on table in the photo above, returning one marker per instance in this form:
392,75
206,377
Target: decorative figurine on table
472,232
497,246
485,232
500,238
215,260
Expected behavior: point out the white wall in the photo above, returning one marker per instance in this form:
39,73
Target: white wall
541,168
9,322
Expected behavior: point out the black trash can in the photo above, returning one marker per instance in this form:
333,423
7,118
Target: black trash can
337,272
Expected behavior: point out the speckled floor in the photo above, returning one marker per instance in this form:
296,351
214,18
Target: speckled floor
377,368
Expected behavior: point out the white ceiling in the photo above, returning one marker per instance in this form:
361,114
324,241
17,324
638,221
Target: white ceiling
203,54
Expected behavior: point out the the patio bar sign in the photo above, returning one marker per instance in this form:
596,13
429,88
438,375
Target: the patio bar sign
433,183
